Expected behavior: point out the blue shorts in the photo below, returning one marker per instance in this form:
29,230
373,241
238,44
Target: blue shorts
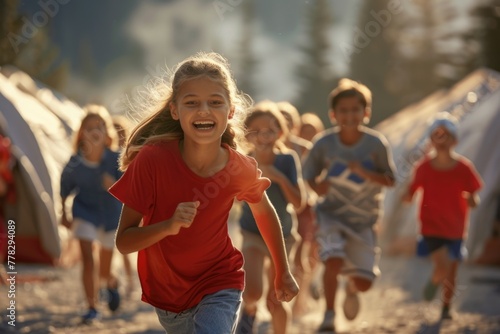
428,245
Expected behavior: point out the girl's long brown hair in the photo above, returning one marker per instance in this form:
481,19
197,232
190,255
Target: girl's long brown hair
159,125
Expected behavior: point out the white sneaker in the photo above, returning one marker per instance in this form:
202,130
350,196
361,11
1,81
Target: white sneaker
351,302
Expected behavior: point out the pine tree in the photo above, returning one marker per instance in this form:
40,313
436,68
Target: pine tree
425,62
40,59
488,17
372,64
10,25
314,74
247,60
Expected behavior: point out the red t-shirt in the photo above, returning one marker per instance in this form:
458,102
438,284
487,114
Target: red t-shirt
176,272
443,210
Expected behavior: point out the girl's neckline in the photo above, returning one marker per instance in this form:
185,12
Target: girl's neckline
193,173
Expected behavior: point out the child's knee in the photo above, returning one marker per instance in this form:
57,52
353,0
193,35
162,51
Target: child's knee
251,295
273,304
333,265
362,284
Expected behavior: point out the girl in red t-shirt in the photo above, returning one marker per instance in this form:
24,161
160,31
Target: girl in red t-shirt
182,174
449,183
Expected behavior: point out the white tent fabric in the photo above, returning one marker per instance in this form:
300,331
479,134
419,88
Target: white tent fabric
475,101
40,124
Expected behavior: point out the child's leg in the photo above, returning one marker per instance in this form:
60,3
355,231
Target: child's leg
254,276
106,276
254,252
105,260
361,263
333,267
88,272
280,312
441,265
449,284
361,284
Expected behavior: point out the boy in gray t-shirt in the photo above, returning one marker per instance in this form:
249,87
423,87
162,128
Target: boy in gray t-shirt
348,167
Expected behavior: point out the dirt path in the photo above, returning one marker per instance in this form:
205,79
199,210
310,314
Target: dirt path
51,301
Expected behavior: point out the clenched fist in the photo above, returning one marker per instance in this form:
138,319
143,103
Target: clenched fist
183,216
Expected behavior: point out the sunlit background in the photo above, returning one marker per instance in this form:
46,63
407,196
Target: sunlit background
105,50
418,57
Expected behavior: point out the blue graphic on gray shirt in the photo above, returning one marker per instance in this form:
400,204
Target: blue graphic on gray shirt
351,200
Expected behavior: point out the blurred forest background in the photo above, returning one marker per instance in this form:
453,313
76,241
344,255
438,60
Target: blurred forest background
105,51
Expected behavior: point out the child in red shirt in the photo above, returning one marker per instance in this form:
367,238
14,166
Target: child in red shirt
449,183
7,194
182,174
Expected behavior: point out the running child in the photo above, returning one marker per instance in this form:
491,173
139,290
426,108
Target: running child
182,174
348,167
92,169
265,127
449,183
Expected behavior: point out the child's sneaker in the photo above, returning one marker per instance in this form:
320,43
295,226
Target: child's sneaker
113,299
90,316
110,296
351,302
430,291
245,324
327,325
445,313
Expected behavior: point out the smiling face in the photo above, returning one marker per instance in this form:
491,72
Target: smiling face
442,139
349,113
202,107
93,134
263,132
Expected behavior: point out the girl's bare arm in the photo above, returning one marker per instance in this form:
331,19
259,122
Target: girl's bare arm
131,237
270,229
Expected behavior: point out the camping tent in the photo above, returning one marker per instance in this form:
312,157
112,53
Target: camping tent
40,123
475,101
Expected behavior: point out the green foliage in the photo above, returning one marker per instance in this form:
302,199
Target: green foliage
34,54
373,64
314,74
40,59
247,60
10,23
488,33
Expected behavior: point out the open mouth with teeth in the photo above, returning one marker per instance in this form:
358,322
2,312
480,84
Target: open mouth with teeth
204,125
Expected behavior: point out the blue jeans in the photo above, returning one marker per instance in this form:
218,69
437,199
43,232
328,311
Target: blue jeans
216,313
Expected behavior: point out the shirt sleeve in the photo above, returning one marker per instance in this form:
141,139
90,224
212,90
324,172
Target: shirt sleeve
293,168
384,160
136,186
68,183
417,180
473,180
255,184
313,165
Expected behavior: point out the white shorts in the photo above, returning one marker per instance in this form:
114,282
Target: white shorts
83,230
358,249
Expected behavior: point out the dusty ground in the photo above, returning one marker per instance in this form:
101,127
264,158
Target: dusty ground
51,301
